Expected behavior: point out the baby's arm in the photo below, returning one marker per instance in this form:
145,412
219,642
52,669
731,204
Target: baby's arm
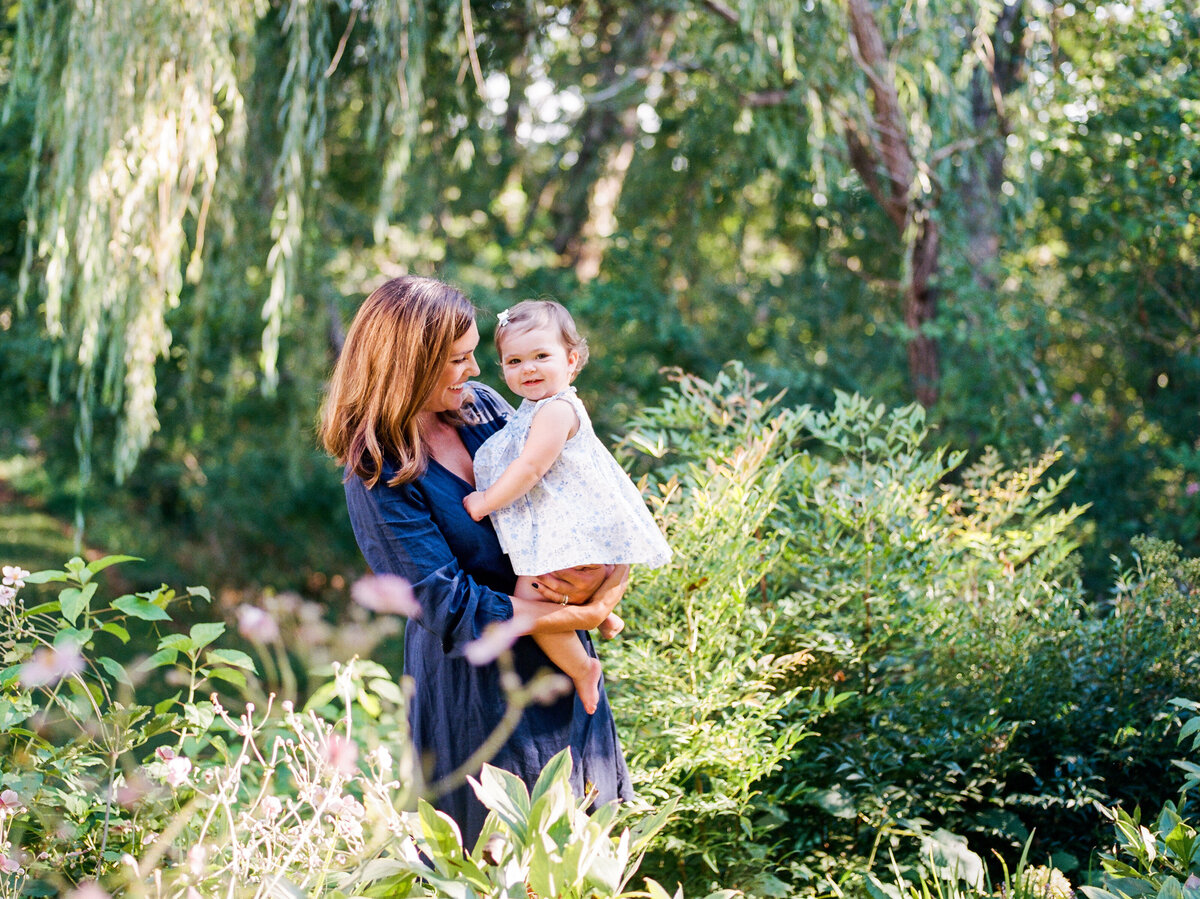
553,425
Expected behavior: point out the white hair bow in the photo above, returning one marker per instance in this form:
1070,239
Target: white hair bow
502,319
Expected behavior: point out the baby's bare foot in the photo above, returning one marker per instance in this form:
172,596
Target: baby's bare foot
587,686
610,627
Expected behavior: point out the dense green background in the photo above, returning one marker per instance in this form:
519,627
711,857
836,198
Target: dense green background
987,208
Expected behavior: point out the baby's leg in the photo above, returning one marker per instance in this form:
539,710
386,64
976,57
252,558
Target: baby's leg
565,651
611,626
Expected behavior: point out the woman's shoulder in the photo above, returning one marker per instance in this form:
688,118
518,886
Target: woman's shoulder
484,405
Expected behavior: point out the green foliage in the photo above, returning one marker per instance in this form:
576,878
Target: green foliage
708,708
917,621
1160,857
181,794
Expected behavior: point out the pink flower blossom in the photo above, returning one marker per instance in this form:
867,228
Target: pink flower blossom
341,754
256,625
498,637
386,593
10,865
49,665
1192,488
1077,398
178,771
1192,883
177,768
14,576
10,802
272,807
7,595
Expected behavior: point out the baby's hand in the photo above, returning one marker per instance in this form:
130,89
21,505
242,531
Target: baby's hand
476,505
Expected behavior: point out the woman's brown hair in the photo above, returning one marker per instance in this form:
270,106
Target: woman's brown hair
394,354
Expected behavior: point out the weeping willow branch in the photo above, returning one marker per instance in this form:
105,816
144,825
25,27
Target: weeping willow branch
127,136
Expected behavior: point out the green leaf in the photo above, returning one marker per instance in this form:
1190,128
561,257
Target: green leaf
323,695
205,633
73,601
505,794
45,608
558,768
44,577
178,642
369,703
102,563
234,657
230,675
113,667
139,608
116,630
159,659
442,835
202,592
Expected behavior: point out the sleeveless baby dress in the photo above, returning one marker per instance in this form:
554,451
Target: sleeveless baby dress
585,510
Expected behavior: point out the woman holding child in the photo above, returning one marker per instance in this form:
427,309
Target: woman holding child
403,419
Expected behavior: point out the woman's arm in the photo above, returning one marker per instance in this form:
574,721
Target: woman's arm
551,428
554,618
397,535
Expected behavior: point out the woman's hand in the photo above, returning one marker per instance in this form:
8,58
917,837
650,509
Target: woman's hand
592,595
571,586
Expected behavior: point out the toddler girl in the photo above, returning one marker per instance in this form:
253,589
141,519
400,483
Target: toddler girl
557,498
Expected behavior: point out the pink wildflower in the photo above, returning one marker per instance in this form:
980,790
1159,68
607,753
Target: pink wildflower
10,802
341,754
256,625
1192,488
177,768
14,576
1077,398
1192,883
10,865
498,637
386,593
7,595
178,771
49,665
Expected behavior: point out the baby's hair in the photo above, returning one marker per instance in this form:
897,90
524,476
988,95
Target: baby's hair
530,314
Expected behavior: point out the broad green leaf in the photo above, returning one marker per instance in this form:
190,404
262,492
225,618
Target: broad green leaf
202,592
73,601
369,703
158,660
234,657
178,642
505,794
116,630
229,675
205,633
102,563
113,667
139,608
442,834
44,577
558,768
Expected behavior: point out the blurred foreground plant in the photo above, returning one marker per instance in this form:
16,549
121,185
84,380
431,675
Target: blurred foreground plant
199,796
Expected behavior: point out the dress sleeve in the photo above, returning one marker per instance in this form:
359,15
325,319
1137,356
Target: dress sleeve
397,535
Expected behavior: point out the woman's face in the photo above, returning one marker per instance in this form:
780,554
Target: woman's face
447,396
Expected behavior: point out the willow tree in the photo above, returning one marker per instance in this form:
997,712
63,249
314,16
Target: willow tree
900,95
141,136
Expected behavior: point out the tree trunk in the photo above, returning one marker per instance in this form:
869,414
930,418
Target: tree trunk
882,146
920,309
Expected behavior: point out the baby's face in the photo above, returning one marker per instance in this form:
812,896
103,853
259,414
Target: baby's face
536,364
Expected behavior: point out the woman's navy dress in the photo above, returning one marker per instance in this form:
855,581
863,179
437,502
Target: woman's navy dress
462,580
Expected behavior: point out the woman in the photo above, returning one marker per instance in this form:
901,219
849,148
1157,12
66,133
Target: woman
403,419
